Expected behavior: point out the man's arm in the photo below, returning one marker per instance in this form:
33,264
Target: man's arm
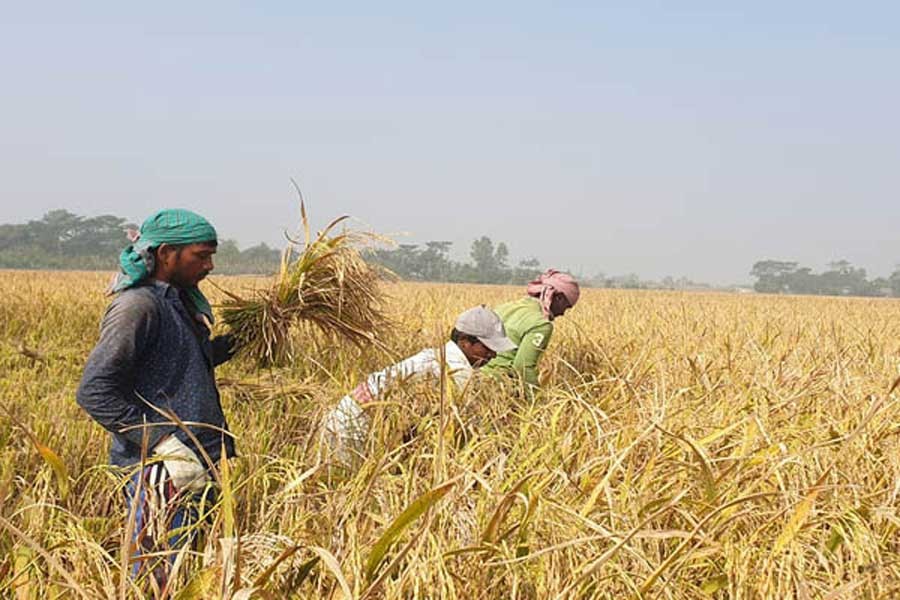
530,350
423,363
106,391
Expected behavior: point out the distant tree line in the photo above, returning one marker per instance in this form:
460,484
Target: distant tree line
841,279
432,262
631,281
63,240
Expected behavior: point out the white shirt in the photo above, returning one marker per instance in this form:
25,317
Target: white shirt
346,425
425,363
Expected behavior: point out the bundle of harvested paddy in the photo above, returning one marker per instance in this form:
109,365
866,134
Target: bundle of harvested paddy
324,281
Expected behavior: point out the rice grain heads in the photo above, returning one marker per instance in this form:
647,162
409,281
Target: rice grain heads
324,281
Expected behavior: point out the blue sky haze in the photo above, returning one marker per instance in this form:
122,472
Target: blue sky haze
661,138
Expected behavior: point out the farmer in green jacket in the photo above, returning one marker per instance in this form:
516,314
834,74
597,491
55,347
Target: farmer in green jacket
529,323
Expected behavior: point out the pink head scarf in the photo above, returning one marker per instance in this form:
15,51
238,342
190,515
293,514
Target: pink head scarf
549,283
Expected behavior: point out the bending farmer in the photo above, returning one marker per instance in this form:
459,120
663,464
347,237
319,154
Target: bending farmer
476,338
529,323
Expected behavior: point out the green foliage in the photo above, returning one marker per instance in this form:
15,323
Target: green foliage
841,279
432,263
63,240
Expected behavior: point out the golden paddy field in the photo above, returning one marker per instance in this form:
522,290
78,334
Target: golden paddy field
685,445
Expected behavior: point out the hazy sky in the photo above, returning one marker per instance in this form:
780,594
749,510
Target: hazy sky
663,138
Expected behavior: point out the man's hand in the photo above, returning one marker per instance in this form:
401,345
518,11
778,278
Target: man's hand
184,467
224,348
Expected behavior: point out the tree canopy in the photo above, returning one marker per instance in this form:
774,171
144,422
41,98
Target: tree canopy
840,279
63,240
432,262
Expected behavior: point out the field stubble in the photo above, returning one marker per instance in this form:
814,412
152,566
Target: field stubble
685,446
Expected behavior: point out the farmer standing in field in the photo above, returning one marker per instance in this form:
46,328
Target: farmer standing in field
477,337
529,324
154,354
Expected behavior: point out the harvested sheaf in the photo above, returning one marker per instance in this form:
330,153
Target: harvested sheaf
324,281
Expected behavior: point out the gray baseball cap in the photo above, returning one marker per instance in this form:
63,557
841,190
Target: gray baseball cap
486,325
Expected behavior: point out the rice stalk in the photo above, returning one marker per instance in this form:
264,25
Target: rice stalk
324,281
798,401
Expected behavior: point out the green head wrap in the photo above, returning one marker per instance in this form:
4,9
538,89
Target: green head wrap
168,226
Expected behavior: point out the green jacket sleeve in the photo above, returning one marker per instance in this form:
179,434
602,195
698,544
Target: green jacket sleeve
530,350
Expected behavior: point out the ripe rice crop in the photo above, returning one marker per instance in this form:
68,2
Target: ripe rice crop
323,281
685,445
